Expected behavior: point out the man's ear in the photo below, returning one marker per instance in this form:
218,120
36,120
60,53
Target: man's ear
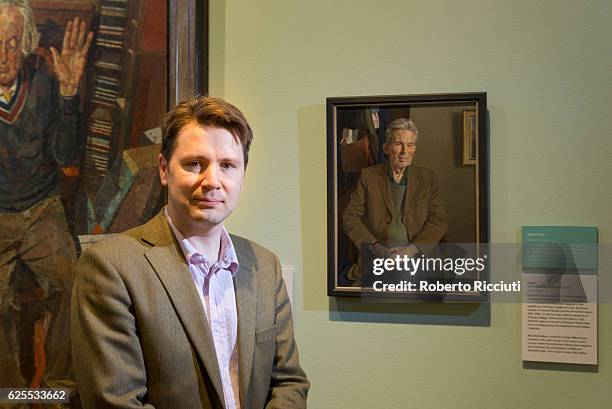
163,170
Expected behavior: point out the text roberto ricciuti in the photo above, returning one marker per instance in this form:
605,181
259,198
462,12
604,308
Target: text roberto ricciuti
457,266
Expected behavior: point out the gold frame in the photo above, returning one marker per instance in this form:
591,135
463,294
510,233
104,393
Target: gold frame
470,138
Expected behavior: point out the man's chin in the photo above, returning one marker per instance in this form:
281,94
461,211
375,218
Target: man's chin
208,217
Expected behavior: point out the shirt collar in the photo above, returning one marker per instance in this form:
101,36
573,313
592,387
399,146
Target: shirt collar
403,180
227,253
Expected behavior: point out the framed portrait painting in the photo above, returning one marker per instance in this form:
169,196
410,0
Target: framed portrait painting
398,188
84,88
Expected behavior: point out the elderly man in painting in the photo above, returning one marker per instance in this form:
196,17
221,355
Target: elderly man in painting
395,208
39,133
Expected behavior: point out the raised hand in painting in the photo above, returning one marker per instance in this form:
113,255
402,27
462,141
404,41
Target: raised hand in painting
70,63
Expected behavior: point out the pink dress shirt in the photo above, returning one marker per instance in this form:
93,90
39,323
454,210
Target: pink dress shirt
215,287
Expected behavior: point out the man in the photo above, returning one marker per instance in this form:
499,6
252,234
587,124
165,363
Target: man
396,208
39,133
178,313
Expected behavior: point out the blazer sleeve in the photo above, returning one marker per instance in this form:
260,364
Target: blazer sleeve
108,359
354,214
288,385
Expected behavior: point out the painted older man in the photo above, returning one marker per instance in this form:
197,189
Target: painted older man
396,207
39,133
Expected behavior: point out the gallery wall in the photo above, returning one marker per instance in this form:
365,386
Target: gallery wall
546,68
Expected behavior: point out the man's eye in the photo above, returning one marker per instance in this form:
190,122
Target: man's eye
11,45
228,165
194,164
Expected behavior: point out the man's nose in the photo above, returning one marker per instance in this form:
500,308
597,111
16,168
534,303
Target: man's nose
210,177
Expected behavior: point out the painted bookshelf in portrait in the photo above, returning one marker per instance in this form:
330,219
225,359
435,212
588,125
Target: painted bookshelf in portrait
107,86
127,95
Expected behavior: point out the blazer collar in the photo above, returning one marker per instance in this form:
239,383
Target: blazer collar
414,180
246,304
383,182
167,260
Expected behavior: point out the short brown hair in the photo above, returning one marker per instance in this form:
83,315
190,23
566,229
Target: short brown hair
206,111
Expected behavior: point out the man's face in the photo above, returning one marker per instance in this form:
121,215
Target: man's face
401,148
11,28
204,177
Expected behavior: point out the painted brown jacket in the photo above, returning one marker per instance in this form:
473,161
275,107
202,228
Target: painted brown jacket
368,213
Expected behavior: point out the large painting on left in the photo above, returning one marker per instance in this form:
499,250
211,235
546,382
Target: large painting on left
83,91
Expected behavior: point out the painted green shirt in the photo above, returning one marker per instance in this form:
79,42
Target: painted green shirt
396,231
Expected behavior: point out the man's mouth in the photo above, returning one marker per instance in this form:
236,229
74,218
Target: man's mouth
207,201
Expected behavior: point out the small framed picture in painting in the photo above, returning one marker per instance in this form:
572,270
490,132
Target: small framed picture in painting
470,137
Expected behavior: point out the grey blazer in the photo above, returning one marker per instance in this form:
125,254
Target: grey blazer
140,336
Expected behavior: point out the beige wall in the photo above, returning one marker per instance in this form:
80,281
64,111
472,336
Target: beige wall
546,67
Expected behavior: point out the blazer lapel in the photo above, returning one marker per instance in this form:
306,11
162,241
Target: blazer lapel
385,193
411,192
167,260
246,303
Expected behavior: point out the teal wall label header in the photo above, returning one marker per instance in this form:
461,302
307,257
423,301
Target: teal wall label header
559,247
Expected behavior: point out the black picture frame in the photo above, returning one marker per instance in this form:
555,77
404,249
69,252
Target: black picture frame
440,120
